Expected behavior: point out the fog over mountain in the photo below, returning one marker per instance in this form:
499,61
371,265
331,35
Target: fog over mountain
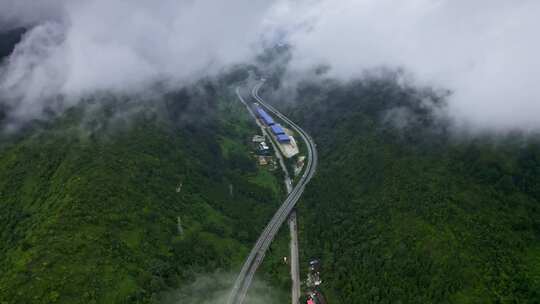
122,46
484,52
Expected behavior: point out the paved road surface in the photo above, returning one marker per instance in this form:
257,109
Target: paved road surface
256,256
287,179
295,264
295,270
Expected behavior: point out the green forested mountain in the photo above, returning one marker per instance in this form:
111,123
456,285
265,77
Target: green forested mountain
404,210
116,203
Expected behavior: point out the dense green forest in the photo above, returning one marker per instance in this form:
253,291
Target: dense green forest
127,202
120,200
404,209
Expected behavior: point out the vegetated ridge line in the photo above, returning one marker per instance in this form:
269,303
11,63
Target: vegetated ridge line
256,256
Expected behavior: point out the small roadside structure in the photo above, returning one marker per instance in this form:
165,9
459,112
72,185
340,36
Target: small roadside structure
314,276
263,161
286,143
263,149
277,129
258,139
263,146
264,117
314,265
283,138
299,165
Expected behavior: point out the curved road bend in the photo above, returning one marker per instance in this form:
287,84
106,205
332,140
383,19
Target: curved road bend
287,179
294,261
256,256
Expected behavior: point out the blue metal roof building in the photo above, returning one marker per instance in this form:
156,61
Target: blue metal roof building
265,117
283,138
277,129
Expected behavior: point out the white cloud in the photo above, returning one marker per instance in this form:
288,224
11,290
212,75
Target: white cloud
486,52
123,46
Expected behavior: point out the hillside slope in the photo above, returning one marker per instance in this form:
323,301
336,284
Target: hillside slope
404,211
102,208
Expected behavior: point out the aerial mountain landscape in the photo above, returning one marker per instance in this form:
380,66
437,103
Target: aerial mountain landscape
269,152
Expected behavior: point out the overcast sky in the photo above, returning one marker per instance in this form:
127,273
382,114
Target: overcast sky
485,52
82,46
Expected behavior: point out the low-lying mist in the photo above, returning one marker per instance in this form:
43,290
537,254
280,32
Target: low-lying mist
483,53
124,47
215,289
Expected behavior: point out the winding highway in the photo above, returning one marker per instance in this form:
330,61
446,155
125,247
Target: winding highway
256,256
